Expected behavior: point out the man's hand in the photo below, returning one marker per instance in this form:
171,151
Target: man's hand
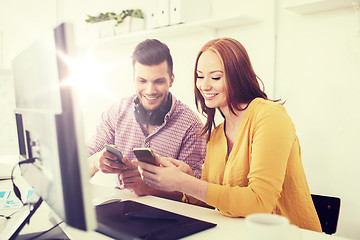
104,161
131,179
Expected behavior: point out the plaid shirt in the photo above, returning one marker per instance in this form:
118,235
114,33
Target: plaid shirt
178,137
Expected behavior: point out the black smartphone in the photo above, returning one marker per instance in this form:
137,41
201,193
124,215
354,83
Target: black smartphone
116,152
145,155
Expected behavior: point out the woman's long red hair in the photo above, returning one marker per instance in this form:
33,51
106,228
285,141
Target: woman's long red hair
242,84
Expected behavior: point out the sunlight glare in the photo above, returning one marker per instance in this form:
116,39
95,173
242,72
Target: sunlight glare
86,75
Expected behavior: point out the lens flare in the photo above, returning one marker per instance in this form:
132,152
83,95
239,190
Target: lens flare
87,76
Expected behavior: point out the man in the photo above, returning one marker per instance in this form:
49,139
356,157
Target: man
152,118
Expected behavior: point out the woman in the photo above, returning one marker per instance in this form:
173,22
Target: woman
253,161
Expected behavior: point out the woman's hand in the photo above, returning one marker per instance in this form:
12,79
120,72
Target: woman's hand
182,166
172,175
166,177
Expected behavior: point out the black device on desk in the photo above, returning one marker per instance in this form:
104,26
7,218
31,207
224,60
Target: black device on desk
133,220
50,131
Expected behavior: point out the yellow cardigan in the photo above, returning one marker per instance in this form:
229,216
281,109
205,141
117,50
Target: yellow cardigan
263,172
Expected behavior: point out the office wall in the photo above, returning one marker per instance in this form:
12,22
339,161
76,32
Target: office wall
184,48
21,22
316,72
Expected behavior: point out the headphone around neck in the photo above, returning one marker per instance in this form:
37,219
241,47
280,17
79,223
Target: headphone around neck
155,117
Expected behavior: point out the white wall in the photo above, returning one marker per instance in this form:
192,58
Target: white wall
317,72
184,49
21,22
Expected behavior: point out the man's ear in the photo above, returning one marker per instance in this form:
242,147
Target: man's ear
172,80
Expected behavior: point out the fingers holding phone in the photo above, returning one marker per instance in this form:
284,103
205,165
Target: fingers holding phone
116,154
111,160
179,164
165,177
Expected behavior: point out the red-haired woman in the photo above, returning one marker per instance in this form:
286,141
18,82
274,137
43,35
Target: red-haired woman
253,160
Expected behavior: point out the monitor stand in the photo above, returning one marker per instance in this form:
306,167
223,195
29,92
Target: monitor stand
56,233
21,217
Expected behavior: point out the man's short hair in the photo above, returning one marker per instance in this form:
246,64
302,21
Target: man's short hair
153,52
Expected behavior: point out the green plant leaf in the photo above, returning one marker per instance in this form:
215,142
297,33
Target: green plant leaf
113,16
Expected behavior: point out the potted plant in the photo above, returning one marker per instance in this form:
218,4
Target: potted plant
110,23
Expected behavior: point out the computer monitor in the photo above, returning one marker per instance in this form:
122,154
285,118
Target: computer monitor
50,133
49,127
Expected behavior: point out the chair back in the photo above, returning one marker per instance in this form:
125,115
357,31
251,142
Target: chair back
327,209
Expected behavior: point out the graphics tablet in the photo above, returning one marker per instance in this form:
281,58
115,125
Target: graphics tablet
133,220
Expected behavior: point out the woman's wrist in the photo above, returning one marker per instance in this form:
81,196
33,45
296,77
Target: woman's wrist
192,186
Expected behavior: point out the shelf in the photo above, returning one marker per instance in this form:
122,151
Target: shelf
313,6
181,29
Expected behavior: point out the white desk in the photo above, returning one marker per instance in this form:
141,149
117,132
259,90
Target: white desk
227,228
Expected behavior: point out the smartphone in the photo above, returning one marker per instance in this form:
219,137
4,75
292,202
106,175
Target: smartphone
116,152
145,155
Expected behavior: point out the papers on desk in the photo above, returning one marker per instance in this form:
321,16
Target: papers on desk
8,199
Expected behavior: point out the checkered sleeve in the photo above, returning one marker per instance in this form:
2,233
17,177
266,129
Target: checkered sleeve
193,149
105,131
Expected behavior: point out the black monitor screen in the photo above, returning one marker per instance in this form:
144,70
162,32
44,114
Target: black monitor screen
21,135
49,127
